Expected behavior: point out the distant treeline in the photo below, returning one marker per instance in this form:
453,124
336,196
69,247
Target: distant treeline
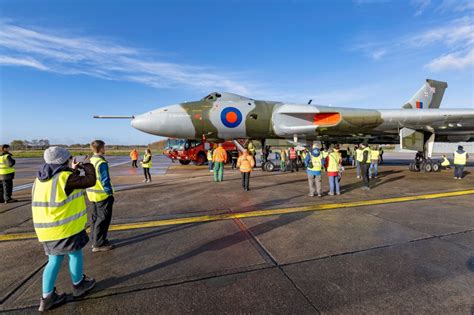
41,144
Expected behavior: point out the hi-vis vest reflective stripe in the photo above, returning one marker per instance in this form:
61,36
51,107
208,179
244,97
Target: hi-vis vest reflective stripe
209,155
358,154
334,160
445,162
292,154
55,215
460,159
374,155
245,163
360,158
97,193
316,161
149,164
251,148
4,167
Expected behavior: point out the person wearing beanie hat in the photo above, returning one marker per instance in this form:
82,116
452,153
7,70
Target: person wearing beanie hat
314,164
460,160
60,218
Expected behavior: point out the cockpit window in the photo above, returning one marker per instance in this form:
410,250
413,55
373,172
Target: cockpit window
212,96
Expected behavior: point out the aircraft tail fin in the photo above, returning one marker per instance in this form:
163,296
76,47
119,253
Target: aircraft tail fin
428,96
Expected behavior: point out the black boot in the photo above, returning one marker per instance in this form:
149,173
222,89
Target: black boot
52,300
83,287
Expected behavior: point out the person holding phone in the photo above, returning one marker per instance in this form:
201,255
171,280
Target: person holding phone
147,164
59,218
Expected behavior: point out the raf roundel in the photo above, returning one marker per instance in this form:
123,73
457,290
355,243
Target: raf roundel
231,117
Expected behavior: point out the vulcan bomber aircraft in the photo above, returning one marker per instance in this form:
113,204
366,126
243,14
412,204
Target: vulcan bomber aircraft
220,116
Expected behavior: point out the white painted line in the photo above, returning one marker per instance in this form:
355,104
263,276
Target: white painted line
121,163
21,187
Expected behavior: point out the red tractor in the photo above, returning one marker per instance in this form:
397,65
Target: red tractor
187,151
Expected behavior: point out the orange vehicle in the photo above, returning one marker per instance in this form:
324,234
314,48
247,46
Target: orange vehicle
187,151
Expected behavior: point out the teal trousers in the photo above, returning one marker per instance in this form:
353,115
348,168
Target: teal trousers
218,171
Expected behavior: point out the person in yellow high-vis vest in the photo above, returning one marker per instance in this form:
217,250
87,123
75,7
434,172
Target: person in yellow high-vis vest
374,162
7,174
252,151
209,159
358,153
314,163
460,160
102,198
59,217
364,159
445,162
333,167
147,164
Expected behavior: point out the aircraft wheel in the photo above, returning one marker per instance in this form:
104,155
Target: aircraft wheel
428,167
416,167
436,167
200,159
269,167
184,162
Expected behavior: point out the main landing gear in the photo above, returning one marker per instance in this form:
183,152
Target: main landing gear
425,165
267,165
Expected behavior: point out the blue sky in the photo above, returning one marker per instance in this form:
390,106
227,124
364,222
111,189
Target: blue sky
61,62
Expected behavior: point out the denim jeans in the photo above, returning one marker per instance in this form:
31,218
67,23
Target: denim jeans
314,182
334,183
218,171
373,171
458,170
358,168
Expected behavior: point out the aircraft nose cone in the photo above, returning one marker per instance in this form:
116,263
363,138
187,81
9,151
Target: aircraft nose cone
143,123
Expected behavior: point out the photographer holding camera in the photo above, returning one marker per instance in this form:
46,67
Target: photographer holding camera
59,218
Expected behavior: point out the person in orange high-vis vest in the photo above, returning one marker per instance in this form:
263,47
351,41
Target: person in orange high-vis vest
134,157
219,157
293,159
245,163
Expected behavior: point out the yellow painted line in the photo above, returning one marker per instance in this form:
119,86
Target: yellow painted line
16,237
259,213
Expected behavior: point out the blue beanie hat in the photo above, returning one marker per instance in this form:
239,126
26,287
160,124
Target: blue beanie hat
315,152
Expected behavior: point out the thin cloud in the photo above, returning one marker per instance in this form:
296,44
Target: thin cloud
456,5
452,61
72,55
27,62
377,54
421,6
456,38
